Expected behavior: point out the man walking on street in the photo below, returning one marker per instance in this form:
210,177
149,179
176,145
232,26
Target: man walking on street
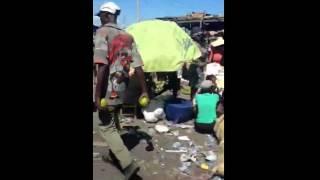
115,54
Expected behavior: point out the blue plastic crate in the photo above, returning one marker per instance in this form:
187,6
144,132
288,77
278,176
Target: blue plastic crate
179,110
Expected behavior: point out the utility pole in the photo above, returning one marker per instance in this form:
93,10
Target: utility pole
138,10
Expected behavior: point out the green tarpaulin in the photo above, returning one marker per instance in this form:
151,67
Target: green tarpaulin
163,45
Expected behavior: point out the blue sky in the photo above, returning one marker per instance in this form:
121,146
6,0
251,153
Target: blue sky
150,9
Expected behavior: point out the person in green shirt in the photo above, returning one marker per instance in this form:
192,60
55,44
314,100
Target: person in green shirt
205,104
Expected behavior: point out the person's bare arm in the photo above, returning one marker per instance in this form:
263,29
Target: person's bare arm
140,74
102,82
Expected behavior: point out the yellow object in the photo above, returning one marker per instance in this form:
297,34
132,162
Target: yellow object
163,45
186,90
204,166
103,102
144,101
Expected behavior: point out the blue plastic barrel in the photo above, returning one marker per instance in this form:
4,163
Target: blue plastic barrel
178,110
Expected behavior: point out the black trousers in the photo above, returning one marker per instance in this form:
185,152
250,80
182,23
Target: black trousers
204,128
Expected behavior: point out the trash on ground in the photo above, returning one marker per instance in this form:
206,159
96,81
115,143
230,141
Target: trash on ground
216,178
193,158
184,138
176,151
184,158
162,165
184,126
183,148
211,156
185,169
210,141
176,145
175,133
169,123
186,164
204,166
161,128
126,120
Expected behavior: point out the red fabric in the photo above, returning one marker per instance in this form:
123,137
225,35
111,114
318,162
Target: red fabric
119,42
215,56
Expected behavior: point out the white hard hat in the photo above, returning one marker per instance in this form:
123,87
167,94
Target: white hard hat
110,7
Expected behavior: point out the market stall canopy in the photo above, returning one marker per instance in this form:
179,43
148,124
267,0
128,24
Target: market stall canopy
163,45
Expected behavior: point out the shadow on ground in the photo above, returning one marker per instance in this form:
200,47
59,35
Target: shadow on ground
131,138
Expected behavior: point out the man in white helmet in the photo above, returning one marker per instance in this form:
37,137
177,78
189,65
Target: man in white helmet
115,53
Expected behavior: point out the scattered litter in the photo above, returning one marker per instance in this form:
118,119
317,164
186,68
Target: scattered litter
161,149
127,120
175,133
184,126
94,132
183,149
183,138
211,141
186,164
176,151
161,128
211,156
176,145
185,169
169,123
154,173
216,178
96,154
184,158
193,158
204,166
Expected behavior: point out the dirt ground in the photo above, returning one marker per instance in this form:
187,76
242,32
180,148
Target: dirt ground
155,163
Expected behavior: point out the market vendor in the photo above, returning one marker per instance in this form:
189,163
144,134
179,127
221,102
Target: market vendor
217,51
205,106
